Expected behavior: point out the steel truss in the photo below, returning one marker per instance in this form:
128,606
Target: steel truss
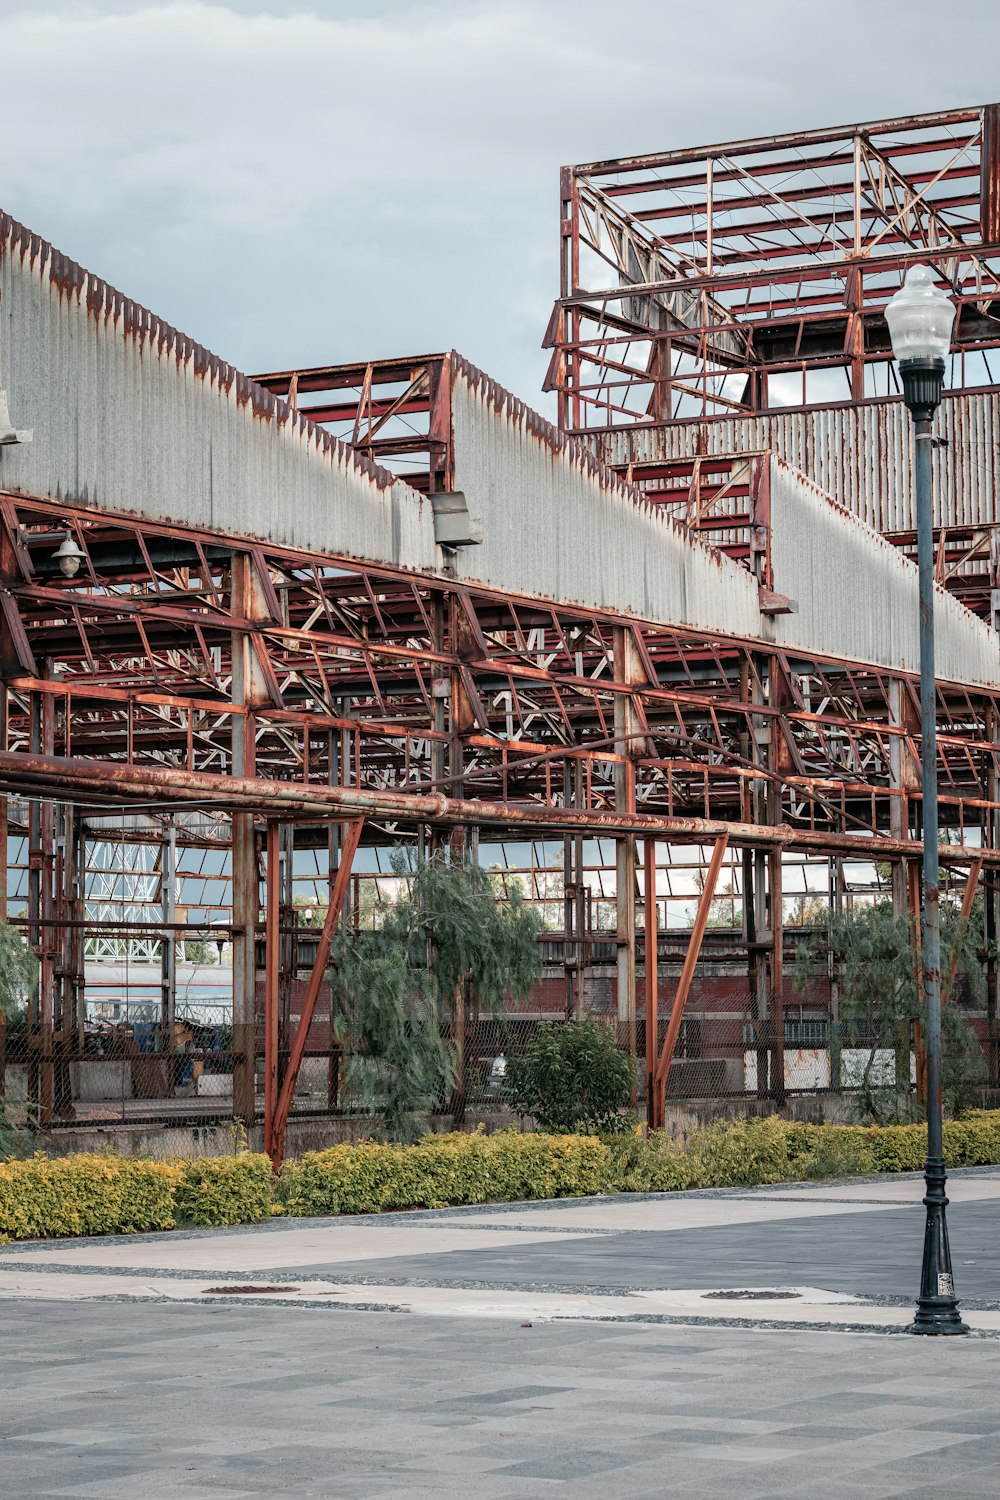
184,670
693,281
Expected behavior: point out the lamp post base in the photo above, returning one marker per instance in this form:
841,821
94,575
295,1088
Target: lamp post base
937,1306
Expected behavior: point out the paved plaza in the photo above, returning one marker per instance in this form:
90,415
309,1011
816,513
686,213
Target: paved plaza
513,1351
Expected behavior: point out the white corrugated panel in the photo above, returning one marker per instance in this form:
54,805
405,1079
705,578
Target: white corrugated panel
857,594
131,416
861,455
557,524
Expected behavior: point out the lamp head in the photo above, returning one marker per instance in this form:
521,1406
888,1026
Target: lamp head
69,556
920,318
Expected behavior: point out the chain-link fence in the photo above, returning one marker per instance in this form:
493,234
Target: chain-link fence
131,1084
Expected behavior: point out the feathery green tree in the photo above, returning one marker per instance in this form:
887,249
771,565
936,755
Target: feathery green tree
880,999
403,989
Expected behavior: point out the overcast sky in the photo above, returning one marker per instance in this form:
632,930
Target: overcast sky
297,183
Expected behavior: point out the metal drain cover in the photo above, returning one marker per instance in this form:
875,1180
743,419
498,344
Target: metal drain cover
752,1296
251,1290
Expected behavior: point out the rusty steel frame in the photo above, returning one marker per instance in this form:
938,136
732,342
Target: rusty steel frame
364,637
690,278
276,1116
659,1073
721,495
395,412
184,668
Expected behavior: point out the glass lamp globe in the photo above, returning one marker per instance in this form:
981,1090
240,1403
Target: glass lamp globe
920,318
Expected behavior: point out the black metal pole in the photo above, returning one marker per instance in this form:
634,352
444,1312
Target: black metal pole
937,1306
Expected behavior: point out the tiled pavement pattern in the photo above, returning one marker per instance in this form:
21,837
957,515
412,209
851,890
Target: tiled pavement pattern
876,1254
112,1392
131,1402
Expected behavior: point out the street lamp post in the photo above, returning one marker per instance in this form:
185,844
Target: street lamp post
920,320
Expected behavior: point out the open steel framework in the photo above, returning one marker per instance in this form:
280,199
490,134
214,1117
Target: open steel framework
691,279
554,719
202,683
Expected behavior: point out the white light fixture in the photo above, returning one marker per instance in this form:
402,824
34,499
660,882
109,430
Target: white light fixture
920,318
69,556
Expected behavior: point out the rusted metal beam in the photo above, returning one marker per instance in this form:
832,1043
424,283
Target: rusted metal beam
114,784
272,917
651,976
684,983
276,1138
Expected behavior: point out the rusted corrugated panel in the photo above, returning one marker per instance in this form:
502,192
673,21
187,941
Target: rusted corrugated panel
130,415
857,594
861,455
558,524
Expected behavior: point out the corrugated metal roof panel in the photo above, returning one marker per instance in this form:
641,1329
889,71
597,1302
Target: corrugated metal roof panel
130,415
861,455
857,594
557,524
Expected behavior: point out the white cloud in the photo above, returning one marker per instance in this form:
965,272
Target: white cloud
301,182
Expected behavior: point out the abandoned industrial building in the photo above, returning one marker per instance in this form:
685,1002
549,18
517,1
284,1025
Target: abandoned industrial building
656,662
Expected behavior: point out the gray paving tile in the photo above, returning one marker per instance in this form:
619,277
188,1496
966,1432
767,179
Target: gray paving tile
181,1401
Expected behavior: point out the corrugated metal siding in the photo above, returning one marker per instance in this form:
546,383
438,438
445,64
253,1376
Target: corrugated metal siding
861,455
132,416
857,594
557,524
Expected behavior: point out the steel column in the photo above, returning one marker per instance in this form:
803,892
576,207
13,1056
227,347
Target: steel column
275,1137
684,983
651,974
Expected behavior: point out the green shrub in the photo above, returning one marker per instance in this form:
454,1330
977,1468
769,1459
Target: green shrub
820,1151
646,1164
740,1153
897,1148
45,1197
974,1140
441,1170
225,1189
571,1077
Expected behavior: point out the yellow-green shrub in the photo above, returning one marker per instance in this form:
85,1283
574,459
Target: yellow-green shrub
441,1170
897,1148
646,1164
104,1194
44,1197
817,1151
974,1140
740,1153
225,1189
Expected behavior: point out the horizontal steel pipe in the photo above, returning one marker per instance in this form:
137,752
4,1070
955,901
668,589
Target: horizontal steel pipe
107,780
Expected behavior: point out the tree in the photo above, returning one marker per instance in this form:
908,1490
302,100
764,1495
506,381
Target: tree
200,951
445,944
18,971
879,972
571,1077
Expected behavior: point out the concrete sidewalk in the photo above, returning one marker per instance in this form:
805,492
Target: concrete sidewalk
119,1401
511,1350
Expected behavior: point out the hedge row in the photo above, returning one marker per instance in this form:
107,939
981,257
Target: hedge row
442,1170
103,1194
46,1197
